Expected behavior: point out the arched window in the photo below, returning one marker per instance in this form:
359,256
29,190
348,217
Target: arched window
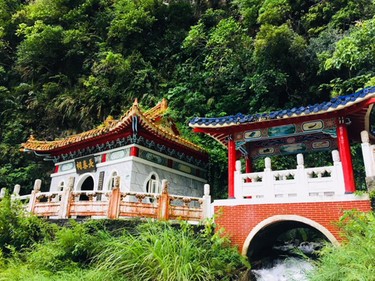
61,186
111,183
152,185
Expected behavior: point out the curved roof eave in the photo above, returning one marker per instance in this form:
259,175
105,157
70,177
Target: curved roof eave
111,128
335,104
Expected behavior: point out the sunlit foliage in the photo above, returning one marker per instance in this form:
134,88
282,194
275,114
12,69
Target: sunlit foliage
66,65
354,259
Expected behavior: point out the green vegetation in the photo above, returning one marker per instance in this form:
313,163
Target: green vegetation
160,251
66,65
18,230
354,259
32,249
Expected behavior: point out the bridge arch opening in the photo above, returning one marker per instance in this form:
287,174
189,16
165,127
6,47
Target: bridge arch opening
261,241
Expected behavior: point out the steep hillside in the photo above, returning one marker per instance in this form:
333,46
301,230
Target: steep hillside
65,65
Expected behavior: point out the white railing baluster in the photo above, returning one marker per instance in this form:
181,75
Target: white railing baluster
238,181
368,154
297,183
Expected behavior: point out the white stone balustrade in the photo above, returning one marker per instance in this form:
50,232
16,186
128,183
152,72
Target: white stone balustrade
290,185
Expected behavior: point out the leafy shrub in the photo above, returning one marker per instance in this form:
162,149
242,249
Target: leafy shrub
19,230
354,259
73,247
66,255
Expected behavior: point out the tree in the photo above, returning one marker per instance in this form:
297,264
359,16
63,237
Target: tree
352,59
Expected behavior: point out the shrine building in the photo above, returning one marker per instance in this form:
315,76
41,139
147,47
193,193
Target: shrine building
264,204
143,147
327,126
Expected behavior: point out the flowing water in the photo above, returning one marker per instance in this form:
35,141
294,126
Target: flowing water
286,265
289,269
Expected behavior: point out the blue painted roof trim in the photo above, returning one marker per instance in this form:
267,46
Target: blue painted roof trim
240,118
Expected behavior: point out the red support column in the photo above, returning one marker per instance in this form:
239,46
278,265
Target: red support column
134,151
231,166
249,168
104,157
345,155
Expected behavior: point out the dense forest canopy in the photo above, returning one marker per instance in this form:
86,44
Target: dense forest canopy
65,65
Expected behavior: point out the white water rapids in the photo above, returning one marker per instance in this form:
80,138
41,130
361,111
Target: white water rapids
285,270
290,267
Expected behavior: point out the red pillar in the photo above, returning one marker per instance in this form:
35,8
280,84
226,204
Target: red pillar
231,166
249,168
104,157
134,151
345,155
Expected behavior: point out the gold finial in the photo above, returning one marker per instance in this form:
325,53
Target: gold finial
31,138
135,102
108,121
164,104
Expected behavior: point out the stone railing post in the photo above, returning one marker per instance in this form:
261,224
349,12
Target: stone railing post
238,186
3,192
114,201
16,190
33,195
163,207
367,153
206,205
300,161
301,177
268,181
338,172
66,198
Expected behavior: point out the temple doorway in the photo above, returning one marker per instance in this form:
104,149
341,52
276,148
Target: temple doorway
87,184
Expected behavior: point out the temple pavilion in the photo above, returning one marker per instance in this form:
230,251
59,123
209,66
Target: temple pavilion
330,125
142,147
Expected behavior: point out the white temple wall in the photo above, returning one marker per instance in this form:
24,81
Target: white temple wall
179,182
61,179
134,173
121,167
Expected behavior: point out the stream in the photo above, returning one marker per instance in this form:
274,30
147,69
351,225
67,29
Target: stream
291,261
289,269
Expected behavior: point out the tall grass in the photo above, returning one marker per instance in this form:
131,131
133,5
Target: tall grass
66,255
160,251
355,258
150,251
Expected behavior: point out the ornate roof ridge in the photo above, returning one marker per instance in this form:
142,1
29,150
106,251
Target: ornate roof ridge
111,126
158,109
336,103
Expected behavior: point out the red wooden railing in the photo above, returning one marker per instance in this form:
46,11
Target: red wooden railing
115,204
